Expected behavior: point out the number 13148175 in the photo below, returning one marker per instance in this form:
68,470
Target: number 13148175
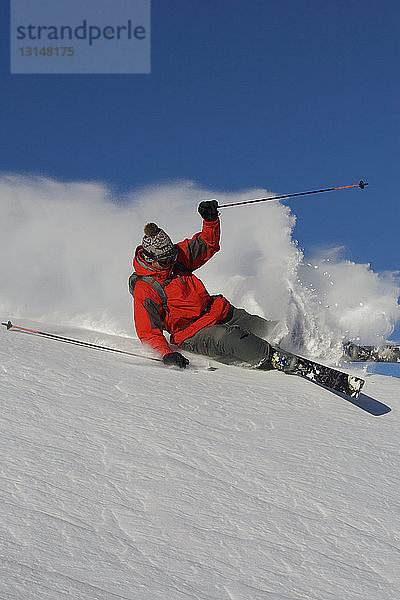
46,51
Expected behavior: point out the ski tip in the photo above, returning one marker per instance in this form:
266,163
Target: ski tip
8,325
355,386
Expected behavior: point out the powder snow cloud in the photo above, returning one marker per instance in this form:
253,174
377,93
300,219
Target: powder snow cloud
67,249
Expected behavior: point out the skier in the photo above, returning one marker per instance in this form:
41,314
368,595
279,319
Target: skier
167,296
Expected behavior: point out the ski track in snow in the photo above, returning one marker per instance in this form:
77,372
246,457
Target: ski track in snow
122,479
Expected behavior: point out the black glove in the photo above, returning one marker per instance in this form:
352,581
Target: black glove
175,359
208,210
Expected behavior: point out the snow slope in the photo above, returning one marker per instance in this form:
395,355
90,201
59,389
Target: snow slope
121,478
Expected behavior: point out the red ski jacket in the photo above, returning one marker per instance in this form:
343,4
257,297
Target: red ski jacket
188,307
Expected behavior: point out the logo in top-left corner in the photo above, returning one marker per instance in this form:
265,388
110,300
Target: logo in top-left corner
75,37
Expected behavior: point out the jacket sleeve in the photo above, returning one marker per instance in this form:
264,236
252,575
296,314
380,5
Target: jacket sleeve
202,246
148,322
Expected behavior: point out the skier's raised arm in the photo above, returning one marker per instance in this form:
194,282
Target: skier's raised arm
203,245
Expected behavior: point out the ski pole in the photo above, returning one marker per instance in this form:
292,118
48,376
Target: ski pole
361,185
60,338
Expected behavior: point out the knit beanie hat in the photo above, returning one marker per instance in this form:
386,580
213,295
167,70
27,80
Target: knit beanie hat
156,243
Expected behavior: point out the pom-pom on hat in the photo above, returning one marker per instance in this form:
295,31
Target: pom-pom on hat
156,243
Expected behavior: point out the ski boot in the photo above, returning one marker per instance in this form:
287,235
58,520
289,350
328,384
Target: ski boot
283,361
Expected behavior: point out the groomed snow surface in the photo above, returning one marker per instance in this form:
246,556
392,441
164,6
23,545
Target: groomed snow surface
121,478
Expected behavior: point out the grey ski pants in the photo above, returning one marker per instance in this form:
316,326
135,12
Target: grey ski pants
238,340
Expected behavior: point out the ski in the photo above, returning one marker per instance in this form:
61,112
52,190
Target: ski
389,353
335,380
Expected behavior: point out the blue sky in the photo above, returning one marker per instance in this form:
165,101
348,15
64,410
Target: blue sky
286,95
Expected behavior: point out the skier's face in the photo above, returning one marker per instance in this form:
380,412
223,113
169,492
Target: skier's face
165,262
